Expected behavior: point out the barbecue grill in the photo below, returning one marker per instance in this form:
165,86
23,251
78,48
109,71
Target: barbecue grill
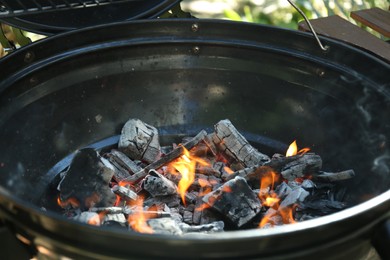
182,75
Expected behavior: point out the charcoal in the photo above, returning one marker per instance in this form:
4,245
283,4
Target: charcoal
140,141
241,173
124,193
213,227
171,200
208,140
282,190
306,164
273,218
157,185
187,217
108,210
321,207
124,164
334,176
191,197
234,145
296,195
87,180
177,152
119,218
164,226
308,185
235,201
209,216
87,217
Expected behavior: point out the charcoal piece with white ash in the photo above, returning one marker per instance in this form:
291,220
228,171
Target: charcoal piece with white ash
115,220
334,176
234,145
125,193
158,185
296,195
124,166
87,180
140,141
88,217
305,164
164,226
235,201
213,227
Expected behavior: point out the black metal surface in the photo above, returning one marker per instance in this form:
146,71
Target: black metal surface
12,8
55,16
173,74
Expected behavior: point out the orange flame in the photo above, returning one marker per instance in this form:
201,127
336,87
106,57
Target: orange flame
282,215
228,170
186,165
293,149
71,201
137,219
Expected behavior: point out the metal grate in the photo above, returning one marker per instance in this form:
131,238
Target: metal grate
12,8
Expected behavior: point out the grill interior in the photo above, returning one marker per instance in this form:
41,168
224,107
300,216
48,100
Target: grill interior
12,8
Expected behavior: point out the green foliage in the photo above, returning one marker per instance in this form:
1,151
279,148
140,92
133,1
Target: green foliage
280,13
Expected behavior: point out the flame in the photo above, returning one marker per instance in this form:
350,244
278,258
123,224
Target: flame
293,149
71,201
284,215
270,199
228,170
287,214
202,207
205,187
186,165
137,219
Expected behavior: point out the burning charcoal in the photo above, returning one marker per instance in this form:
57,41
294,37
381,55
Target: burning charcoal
213,227
167,158
164,226
233,144
191,197
124,164
334,176
140,141
171,200
241,173
118,218
235,201
124,193
304,165
108,210
308,184
282,190
157,185
87,180
271,218
208,140
295,195
87,217
187,217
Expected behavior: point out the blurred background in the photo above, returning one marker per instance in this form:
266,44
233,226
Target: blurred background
277,12
271,12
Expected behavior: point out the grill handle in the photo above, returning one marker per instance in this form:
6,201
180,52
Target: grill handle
323,47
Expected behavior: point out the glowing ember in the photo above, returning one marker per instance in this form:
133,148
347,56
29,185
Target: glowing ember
228,170
186,165
97,220
137,220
